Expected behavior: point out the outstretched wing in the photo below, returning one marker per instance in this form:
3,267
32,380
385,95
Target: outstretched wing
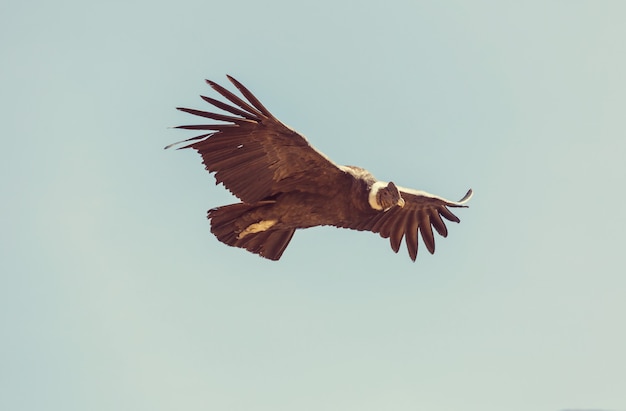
252,153
421,212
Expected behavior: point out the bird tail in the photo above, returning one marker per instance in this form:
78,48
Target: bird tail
232,225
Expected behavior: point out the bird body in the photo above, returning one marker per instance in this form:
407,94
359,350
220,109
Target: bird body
285,184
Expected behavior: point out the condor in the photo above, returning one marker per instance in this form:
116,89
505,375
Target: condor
285,184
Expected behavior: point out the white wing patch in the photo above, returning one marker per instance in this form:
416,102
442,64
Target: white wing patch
256,228
420,193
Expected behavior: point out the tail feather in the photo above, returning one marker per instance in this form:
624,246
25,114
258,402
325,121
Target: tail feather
228,221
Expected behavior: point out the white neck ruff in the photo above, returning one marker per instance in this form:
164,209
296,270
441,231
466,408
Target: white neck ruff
374,193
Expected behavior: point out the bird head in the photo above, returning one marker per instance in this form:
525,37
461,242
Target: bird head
389,196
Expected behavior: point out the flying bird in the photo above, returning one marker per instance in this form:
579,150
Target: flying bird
285,184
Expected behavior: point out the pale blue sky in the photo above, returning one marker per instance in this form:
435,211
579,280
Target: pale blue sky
115,296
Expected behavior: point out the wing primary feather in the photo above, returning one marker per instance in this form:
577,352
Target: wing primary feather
410,236
215,116
426,231
214,127
251,97
186,140
397,232
229,108
234,99
438,223
447,214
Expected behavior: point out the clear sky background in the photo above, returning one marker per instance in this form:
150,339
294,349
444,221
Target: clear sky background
114,295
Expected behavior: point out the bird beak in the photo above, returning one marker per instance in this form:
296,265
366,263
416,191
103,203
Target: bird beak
401,202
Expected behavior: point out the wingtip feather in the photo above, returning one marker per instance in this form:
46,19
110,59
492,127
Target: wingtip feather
466,197
186,140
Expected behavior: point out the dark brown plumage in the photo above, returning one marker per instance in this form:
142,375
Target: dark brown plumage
285,184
